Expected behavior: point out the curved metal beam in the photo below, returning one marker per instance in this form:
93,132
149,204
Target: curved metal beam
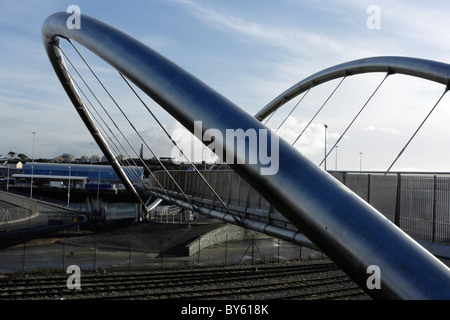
51,43
346,228
421,68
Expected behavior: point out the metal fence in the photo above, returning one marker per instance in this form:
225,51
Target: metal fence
240,198
418,203
99,255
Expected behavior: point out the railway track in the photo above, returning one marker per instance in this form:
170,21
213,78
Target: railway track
319,280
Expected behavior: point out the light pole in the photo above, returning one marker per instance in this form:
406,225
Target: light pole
325,161
204,154
360,162
68,190
98,189
335,161
92,144
32,155
31,187
7,182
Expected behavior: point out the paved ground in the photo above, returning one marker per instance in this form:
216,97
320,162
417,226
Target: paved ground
24,218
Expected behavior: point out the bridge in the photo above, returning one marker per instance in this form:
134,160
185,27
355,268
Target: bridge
415,202
307,204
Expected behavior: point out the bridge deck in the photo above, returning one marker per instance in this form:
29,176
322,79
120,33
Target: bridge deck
417,203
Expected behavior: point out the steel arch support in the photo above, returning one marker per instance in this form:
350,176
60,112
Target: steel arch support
415,67
347,229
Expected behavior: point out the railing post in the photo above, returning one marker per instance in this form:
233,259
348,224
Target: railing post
433,235
397,201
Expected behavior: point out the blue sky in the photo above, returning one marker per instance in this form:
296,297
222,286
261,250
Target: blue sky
250,51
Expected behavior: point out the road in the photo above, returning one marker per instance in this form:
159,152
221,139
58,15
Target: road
22,216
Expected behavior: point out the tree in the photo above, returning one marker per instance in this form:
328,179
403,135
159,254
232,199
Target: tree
22,157
11,154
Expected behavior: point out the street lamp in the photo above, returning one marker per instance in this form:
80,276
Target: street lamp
92,145
34,134
7,182
360,162
31,187
335,161
204,155
68,190
325,161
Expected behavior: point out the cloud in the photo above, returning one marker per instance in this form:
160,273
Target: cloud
382,130
289,39
311,142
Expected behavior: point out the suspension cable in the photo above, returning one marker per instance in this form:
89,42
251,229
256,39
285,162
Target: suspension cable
417,130
113,145
165,191
95,109
293,109
357,115
323,105
178,147
270,117
133,127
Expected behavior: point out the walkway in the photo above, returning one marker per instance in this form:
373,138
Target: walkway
23,218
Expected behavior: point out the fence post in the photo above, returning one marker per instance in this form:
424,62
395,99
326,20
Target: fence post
278,249
433,235
129,260
253,250
397,201
95,251
198,253
162,252
24,246
226,248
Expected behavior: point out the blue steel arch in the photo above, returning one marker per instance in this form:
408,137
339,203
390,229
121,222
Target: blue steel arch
351,232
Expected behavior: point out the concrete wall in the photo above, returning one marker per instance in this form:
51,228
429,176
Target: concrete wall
227,232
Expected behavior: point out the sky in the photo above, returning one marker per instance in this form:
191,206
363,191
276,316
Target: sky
250,51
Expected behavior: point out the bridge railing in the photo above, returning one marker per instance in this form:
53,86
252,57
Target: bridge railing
418,203
240,198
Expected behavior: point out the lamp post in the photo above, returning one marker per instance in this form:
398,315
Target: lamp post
204,155
360,162
68,190
92,144
31,187
7,182
32,155
325,161
98,189
335,161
